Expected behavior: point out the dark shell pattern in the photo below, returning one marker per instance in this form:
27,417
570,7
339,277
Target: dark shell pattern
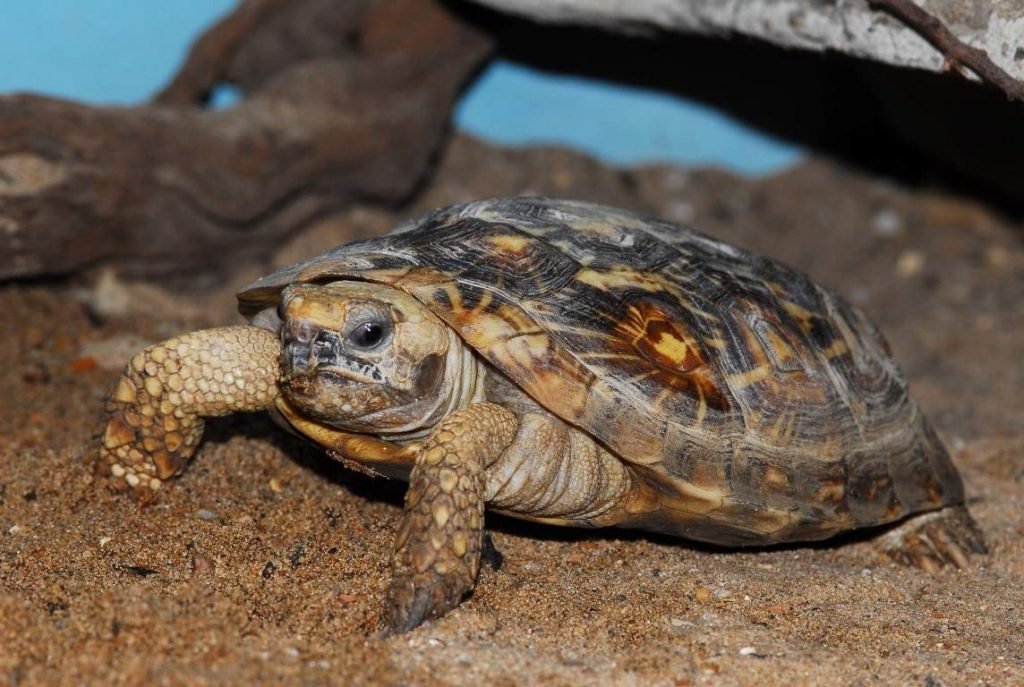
761,406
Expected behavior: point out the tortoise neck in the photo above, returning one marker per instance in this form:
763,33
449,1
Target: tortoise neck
463,385
467,372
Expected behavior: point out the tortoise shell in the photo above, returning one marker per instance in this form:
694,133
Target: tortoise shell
731,382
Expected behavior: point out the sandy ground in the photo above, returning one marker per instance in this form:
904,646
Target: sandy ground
267,562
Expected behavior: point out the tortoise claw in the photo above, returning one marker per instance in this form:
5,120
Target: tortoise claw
490,554
425,597
415,598
935,540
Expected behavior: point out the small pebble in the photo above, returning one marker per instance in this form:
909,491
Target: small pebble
201,565
35,337
681,211
35,373
860,295
675,179
104,541
748,651
887,222
910,263
204,514
997,257
574,558
562,178
712,668
703,595
109,296
276,485
83,364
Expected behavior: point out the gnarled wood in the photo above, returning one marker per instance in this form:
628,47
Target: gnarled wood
343,101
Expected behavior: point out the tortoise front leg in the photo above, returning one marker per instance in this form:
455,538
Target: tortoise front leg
154,416
437,550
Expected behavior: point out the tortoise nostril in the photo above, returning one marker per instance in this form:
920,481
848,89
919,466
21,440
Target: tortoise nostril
295,338
297,332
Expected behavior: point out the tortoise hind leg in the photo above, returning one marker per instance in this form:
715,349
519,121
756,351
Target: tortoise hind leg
934,540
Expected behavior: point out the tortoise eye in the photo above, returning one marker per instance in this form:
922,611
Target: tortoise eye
369,334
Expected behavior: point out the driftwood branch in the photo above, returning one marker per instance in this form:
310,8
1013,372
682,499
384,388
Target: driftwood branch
210,55
343,101
956,51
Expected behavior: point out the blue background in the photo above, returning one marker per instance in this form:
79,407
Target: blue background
121,52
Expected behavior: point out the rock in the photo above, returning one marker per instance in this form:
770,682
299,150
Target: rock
845,27
834,77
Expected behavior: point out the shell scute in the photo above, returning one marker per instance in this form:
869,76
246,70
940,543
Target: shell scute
495,254
671,357
603,246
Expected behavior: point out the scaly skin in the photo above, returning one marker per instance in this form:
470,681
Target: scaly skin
933,540
437,550
155,412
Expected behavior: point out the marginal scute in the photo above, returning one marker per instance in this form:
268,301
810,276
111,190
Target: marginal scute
869,486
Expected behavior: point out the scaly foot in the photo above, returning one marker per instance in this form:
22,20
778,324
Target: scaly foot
934,540
154,415
437,550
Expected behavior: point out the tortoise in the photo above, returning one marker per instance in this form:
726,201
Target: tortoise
565,363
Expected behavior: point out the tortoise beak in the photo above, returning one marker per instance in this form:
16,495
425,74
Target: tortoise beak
306,347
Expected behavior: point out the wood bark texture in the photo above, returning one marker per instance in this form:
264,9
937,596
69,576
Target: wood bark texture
343,101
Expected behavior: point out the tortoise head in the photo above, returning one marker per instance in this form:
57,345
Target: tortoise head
365,357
